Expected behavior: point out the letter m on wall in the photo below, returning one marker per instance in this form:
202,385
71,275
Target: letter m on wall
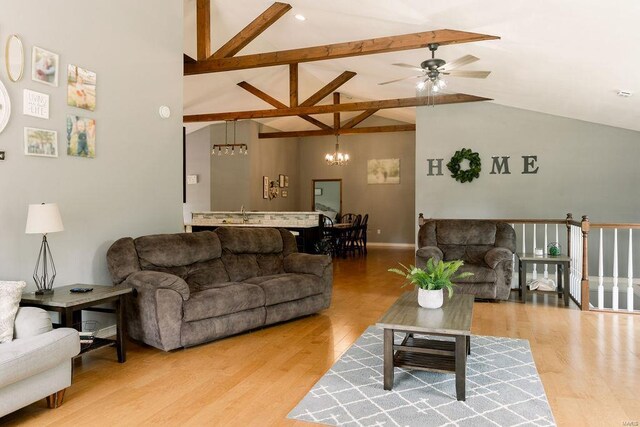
500,166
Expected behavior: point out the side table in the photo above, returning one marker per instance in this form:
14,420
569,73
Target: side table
70,305
562,261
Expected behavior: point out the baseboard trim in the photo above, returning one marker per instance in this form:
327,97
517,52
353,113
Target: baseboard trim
391,245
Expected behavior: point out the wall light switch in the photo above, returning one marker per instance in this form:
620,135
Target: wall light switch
192,179
1,155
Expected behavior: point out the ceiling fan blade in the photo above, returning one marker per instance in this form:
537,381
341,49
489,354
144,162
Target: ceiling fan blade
467,73
399,80
413,67
467,59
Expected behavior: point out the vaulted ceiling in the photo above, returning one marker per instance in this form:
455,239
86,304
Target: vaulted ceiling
557,57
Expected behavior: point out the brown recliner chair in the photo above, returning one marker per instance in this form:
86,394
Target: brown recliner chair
486,247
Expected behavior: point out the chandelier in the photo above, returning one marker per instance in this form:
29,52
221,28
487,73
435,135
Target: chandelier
337,158
229,149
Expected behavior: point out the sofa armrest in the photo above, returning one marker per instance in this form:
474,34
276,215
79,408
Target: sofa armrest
427,252
31,321
158,280
306,263
495,256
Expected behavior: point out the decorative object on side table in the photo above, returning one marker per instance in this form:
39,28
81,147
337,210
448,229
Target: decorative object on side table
554,249
432,281
43,219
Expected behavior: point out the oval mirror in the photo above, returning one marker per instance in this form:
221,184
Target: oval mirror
5,107
14,58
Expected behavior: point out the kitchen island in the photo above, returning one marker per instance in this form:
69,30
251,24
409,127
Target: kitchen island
305,226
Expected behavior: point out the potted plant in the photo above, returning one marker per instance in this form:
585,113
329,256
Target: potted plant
432,280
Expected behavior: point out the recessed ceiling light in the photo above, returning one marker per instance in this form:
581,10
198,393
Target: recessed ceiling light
300,17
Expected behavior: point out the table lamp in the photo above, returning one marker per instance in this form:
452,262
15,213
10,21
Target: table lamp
43,219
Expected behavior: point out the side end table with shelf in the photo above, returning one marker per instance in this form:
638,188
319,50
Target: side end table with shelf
562,261
70,305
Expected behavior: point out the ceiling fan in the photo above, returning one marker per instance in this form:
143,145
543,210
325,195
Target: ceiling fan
433,68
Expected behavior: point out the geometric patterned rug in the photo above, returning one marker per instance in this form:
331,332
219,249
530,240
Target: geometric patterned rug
503,389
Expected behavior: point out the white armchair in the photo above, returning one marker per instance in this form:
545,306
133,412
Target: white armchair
37,363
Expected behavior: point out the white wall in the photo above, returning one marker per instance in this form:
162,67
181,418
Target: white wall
134,185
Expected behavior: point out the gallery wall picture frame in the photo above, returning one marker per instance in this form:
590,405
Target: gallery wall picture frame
281,181
265,187
44,66
14,58
81,137
286,181
40,142
35,104
383,171
81,88
5,107
284,193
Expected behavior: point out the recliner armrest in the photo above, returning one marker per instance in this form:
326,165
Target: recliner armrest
495,256
158,280
306,263
430,252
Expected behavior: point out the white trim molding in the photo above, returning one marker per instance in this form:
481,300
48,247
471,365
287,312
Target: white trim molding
391,245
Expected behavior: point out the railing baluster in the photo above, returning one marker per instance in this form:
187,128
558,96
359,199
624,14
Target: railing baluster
558,242
630,273
535,268
514,283
546,266
601,274
614,291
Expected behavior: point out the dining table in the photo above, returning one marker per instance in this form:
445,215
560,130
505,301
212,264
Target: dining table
339,235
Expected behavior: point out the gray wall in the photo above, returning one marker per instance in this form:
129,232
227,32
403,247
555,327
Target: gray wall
390,206
133,186
198,151
585,168
237,180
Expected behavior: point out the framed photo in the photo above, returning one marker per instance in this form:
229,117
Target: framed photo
284,193
44,66
383,171
81,88
40,142
286,181
281,181
81,137
35,104
265,187
317,191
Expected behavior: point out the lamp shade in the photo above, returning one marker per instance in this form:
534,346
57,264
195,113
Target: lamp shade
44,218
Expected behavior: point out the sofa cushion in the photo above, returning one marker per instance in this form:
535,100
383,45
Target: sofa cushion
240,266
174,250
289,287
10,295
31,321
122,259
222,300
206,274
250,240
270,264
480,274
470,254
465,232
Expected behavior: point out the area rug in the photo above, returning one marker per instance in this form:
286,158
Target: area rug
503,389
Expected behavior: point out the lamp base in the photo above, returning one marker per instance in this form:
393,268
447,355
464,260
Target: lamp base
44,292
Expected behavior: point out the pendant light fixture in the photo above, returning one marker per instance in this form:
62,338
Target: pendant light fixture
217,148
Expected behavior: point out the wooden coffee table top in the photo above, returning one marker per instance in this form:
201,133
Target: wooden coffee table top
453,318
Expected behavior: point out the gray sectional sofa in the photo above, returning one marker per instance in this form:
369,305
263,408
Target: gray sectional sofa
191,288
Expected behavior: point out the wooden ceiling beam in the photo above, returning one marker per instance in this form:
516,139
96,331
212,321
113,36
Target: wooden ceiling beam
331,108
203,29
342,131
328,88
334,51
359,118
251,31
336,115
272,101
293,85
187,59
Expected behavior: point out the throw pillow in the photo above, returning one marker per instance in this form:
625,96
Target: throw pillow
10,295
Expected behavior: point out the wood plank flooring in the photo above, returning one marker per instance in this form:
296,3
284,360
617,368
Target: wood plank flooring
589,362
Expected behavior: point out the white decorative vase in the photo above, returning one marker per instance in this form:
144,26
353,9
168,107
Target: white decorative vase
430,299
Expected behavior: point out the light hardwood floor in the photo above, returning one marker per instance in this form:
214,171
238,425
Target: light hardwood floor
588,362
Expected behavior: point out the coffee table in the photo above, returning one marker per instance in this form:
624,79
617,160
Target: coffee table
70,305
453,319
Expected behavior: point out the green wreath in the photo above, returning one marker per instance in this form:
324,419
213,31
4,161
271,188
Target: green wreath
466,175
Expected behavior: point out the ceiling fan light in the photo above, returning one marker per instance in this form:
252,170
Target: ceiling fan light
421,85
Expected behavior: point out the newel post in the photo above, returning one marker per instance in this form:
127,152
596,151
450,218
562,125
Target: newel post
569,219
585,227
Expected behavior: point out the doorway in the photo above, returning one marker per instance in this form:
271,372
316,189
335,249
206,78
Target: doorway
327,197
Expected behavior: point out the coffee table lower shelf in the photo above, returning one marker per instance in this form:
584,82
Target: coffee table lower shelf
425,355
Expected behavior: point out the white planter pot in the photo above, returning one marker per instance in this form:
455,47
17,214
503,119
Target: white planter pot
430,299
